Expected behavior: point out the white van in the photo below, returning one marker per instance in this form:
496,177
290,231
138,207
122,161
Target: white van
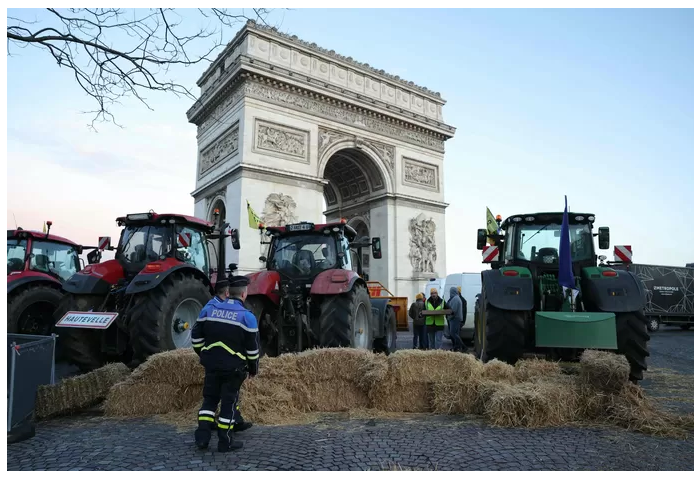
470,284
439,284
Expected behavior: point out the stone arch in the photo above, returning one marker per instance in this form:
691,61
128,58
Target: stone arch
217,253
361,225
351,144
352,175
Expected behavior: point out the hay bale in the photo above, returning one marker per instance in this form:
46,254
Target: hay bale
412,366
138,399
464,397
179,368
266,402
391,396
604,371
318,365
533,404
531,369
335,396
498,371
77,393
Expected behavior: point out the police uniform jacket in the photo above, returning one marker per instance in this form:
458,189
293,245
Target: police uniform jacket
226,337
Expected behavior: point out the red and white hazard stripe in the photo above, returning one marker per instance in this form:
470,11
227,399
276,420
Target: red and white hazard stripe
104,243
622,253
184,239
490,253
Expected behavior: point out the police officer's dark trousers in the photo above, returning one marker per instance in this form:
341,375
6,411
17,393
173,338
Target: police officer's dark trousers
224,386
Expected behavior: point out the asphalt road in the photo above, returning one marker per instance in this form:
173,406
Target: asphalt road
418,442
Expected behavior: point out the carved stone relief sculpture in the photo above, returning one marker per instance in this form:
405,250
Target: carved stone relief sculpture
279,210
278,139
219,151
422,244
420,174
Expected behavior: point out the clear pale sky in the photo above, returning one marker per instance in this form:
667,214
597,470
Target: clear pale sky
594,104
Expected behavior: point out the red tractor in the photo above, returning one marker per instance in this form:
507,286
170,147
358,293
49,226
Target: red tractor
38,263
147,298
314,293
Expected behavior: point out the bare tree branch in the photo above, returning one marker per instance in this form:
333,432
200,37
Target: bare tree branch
115,55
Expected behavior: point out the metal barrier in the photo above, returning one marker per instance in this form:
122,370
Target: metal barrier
30,363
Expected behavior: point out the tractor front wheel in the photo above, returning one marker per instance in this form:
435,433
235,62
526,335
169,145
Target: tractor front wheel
264,314
345,320
388,343
31,310
632,342
163,318
80,347
501,333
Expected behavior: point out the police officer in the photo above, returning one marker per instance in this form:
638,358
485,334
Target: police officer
226,339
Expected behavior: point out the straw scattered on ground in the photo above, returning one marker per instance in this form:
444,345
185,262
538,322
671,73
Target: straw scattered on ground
300,388
77,393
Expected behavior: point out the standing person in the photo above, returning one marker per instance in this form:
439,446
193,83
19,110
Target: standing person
456,319
418,323
226,339
435,323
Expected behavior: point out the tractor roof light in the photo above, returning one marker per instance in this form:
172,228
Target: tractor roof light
591,218
580,218
498,217
530,218
139,217
517,219
49,223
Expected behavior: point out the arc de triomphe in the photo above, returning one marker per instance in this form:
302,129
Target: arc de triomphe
289,126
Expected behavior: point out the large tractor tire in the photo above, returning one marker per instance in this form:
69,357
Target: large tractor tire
163,318
500,334
30,311
261,308
388,343
345,320
80,347
632,342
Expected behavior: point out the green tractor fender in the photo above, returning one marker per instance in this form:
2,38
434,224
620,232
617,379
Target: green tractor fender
509,288
608,290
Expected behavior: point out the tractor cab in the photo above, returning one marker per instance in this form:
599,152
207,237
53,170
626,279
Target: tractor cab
532,241
150,242
34,252
302,251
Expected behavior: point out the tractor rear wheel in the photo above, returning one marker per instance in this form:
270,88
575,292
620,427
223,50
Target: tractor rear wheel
80,347
31,310
632,342
261,308
501,333
163,318
345,320
388,343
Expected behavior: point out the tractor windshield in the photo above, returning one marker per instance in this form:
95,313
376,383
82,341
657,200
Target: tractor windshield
54,258
16,252
540,242
303,255
143,244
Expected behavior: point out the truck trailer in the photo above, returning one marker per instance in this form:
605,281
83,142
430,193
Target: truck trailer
669,293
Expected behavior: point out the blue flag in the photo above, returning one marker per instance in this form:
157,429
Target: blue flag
566,275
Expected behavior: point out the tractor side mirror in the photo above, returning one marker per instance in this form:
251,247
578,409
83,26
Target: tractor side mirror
604,237
376,248
262,259
94,257
233,267
481,239
235,239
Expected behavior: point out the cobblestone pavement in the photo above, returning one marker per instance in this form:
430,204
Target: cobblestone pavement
101,444
419,442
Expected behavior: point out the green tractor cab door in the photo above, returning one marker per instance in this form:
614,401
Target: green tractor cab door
584,330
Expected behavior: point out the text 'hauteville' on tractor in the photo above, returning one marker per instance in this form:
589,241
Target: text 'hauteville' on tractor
523,308
38,263
314,293
148,298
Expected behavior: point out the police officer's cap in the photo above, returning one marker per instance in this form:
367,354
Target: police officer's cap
220,285
238,281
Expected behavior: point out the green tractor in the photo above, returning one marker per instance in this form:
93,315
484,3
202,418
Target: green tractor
527,305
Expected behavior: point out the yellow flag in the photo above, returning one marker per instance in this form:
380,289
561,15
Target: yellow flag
44,227
492,226
253,219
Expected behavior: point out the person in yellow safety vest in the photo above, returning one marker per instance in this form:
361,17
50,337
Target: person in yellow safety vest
435,323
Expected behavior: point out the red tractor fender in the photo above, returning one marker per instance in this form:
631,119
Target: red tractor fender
156,272
335,281
16,280
266,284
95,278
